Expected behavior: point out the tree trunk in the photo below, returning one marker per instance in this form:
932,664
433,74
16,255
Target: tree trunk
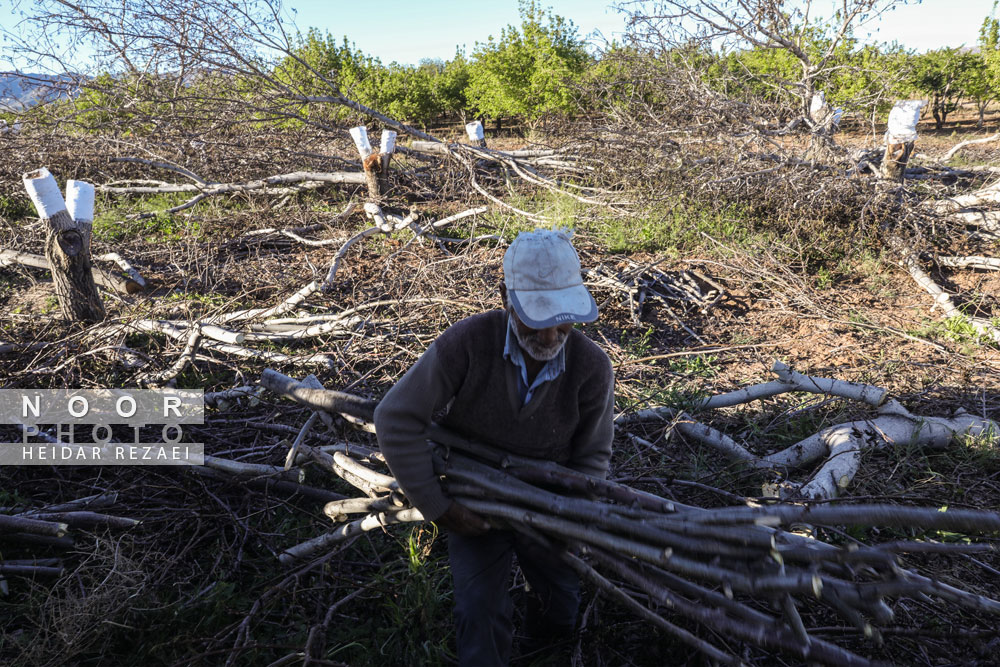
895,159
66,250
939,112
370,161
372,165
67,253
386,149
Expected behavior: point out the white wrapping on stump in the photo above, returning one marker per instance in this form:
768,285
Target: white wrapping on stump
360,136
44,193
903,121
80,200
475,131
817,103
388,144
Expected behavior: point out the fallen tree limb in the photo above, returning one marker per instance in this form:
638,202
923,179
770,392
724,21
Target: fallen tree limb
220,398
305,179
281,184
288,304
125,266
942,299
795,639
310,382
9,569
90,502
973,262
31,525
605,586
971,142
347,532
789,380
240,468
327,400
104,279
85,519
183,360
382,226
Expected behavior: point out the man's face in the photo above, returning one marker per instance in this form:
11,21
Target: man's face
540,344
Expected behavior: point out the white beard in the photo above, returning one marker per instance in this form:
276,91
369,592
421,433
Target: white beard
536,350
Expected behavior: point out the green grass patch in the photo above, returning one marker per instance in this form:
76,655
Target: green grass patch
15,207
115,223
213,300
409,621
699,365
676,229
956,329
639,344
561,211
824,279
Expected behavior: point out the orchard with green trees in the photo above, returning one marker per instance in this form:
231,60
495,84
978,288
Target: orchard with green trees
534,71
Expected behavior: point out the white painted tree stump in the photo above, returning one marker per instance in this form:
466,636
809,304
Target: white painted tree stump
66,250
476,134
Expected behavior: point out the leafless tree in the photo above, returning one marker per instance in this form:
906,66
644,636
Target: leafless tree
157,51
764,24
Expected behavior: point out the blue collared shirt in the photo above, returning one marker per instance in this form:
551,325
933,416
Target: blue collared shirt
550,371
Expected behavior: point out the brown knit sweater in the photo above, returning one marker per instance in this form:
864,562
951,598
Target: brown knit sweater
567,420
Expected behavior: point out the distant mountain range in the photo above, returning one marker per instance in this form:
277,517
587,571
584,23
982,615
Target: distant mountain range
20,91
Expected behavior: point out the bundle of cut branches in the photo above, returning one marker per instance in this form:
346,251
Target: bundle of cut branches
737,571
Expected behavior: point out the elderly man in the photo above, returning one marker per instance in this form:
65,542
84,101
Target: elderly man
523,380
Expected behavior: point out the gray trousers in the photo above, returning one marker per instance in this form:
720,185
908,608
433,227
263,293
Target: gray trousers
480,568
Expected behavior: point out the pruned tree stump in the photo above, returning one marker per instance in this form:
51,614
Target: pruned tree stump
67,250
894,161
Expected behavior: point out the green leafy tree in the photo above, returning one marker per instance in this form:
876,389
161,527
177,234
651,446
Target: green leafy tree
400,91
417,94
853,76
319,65
865,77
450,84
975,84
939,74
763,73
989,55
529,71
778,50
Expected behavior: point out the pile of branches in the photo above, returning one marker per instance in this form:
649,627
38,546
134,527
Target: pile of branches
668,137
753,574
676,141
50,527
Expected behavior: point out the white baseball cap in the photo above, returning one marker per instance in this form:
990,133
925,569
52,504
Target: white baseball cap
542,274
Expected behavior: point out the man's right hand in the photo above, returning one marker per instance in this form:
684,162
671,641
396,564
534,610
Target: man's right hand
460,519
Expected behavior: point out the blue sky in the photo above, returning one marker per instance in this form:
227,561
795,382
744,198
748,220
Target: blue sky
406,31
433,28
